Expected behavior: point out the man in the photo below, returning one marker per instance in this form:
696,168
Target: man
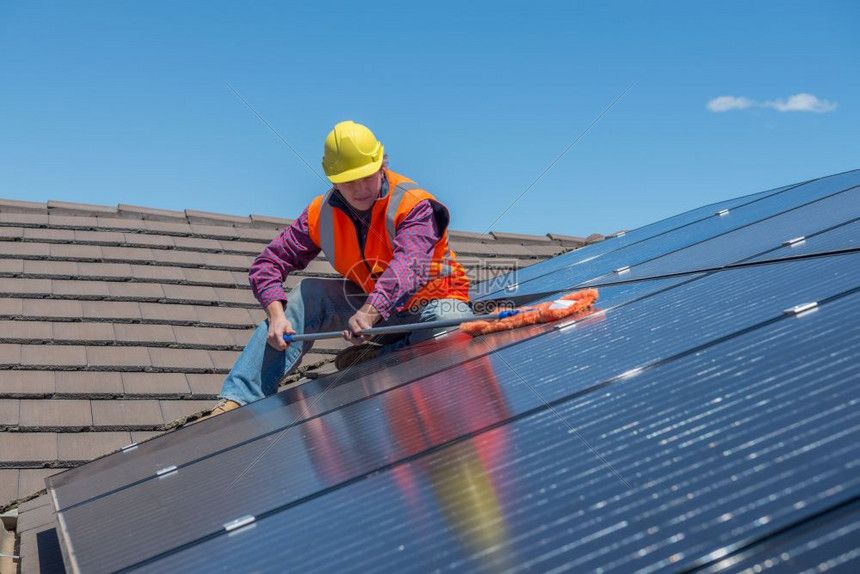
389,240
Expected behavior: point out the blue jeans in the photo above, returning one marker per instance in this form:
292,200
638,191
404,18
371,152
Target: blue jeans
316,305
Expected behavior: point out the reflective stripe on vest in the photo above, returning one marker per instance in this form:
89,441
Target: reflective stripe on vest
397,195
326,226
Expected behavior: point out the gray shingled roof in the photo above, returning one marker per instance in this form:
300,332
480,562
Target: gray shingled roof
120,322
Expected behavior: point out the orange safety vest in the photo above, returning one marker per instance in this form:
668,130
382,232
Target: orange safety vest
333,232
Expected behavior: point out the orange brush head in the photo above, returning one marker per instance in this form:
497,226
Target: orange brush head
565,306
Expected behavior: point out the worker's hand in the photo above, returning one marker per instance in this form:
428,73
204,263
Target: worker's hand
364,318
279,325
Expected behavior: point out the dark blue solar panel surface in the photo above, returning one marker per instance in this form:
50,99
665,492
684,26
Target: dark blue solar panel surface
681,237
718,447
687,418
752,239
829,542
557,364
839,238
632,237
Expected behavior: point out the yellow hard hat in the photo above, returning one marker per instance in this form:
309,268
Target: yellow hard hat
351,152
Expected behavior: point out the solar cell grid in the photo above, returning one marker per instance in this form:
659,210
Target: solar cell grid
547,277
720,447
762,236
644,233
828,542
842,237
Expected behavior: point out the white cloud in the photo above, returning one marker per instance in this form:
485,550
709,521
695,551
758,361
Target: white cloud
797,103
802,103
726,103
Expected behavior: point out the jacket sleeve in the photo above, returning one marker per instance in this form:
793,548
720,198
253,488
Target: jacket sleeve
409,270
290,251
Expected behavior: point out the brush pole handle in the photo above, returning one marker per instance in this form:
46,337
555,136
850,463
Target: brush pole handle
407,328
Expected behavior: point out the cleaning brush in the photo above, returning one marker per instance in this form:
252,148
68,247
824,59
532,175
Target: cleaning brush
564,306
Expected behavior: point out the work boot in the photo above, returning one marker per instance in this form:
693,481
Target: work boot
223,406
357,354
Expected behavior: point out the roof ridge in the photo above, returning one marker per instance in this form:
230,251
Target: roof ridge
145,213
194,216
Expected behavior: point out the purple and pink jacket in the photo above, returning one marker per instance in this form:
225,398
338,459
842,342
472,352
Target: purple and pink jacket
293,249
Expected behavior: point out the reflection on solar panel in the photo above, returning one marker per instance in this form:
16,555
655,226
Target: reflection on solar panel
704,418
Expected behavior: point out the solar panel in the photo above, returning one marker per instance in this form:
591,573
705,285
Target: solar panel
718,447
682,423
549,275
649,330
557,364
752,239
826,542
595,250
841,237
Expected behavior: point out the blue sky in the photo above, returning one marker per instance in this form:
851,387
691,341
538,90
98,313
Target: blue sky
121,102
